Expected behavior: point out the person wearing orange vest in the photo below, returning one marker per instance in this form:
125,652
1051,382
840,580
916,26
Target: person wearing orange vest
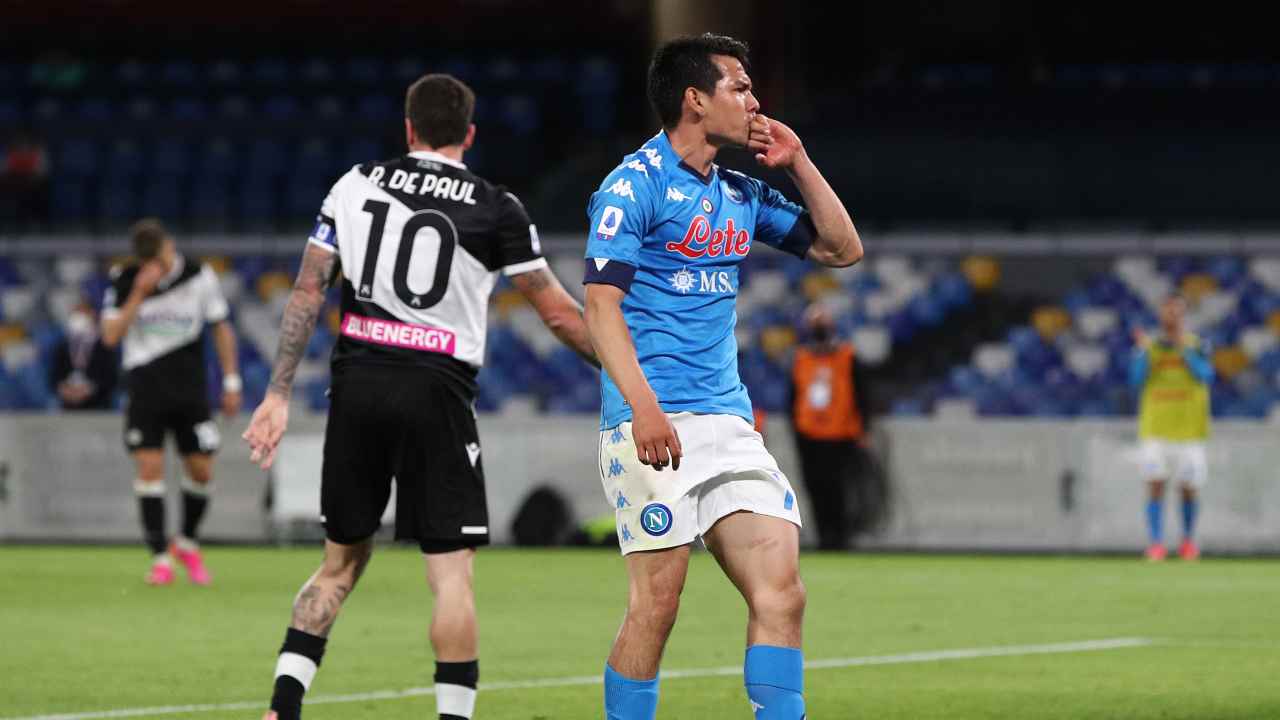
830,417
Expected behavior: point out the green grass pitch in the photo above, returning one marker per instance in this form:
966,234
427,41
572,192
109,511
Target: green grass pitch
80,633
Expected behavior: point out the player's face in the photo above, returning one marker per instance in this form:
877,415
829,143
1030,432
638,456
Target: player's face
1171,314
731,108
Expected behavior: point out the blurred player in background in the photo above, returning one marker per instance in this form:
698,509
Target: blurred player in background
668,230
420,241
158,306
831,420
1173,373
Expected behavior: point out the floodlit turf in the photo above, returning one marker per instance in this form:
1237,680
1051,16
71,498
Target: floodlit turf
80,633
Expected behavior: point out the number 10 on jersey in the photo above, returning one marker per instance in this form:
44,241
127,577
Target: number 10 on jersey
421,220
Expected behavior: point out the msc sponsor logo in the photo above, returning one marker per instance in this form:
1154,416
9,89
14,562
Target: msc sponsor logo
706,281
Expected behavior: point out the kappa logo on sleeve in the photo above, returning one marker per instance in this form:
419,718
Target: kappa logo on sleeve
610,221
622,188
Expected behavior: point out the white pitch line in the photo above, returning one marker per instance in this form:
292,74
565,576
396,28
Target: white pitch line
727,670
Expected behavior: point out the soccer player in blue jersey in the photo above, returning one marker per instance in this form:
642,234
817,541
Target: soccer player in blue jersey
668,230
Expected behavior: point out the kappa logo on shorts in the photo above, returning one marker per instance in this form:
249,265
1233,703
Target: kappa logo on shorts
617,436
656,519
615,468
626,534
623,502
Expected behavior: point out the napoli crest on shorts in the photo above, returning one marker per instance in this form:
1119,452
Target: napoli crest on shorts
655,518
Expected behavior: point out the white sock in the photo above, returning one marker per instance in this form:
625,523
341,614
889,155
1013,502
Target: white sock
457,700
186,544
298,667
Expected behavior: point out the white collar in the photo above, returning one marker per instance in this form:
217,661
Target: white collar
178,264
437,157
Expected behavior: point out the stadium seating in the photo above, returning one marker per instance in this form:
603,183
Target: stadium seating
879,306
266,118
1073,359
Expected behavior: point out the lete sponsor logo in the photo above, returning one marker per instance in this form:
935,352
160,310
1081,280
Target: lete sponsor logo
700,240
396,334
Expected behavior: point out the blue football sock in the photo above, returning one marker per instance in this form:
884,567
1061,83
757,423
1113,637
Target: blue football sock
774,677
1189,510
627,699
1155,521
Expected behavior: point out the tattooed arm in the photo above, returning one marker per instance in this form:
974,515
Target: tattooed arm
272,416
557,308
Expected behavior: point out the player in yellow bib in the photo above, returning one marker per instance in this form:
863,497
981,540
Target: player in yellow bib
1172,372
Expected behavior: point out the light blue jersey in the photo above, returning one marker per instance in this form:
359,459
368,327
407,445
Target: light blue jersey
672,239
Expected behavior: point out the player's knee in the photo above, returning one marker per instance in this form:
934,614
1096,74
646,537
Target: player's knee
656,609
346,562
780,602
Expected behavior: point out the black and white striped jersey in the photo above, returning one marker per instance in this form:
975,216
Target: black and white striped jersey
421,240
164,347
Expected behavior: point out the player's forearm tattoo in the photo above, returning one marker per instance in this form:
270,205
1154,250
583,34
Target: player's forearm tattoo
532,281
300,317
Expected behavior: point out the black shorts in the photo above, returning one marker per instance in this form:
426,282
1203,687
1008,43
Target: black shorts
410,425
148,418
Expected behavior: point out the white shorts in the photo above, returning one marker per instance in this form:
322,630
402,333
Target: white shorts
1180,462
725,469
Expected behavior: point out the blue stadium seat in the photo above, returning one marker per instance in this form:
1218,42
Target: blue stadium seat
257,204
95,110
162,198
328,107
181,73
223,73
218,160
361,150
279,108
271,72
406,70
461,68
211,204
363,71
124,160
376,108
551,71
118,202
131,74
234,107
927,311
520,114
317,71
171,158
1228,270
189,109
10,113
316,160
302,200
77,158
68,201
266,159
48,109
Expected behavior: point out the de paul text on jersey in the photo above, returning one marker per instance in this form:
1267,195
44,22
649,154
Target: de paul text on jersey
414,183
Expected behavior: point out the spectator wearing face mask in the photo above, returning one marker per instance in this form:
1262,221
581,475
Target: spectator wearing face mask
83,371
831,419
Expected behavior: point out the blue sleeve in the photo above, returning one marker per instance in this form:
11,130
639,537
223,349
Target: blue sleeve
783,224
1139,368
620,214
1197,361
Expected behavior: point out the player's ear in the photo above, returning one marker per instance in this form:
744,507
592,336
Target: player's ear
471,137
693,99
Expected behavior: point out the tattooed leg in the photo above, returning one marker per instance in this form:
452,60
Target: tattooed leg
317,605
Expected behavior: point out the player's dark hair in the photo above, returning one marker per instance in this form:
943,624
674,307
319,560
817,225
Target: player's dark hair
147,236
684,63
439,108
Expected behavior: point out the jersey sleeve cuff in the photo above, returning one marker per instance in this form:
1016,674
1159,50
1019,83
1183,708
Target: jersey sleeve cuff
524,267
322,244
801,236
603,271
